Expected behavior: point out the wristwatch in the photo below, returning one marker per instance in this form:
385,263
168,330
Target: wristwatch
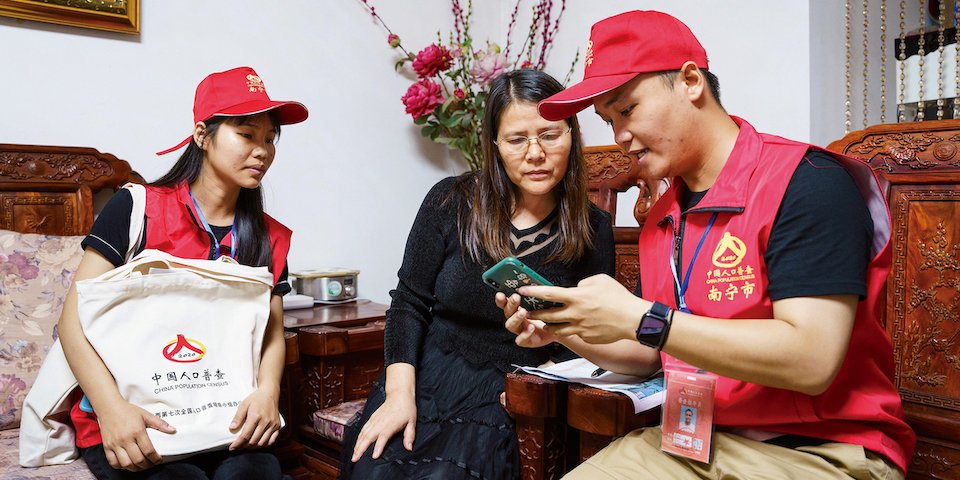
655,325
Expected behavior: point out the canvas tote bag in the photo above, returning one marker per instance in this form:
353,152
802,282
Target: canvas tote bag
182,338
46,432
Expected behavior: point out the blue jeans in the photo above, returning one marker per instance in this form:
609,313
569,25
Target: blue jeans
239,465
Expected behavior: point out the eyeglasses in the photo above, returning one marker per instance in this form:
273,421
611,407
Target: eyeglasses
518,145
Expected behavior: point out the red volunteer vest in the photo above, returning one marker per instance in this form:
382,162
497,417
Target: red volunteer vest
729,280
174,227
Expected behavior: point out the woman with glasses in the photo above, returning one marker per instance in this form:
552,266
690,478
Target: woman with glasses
438,412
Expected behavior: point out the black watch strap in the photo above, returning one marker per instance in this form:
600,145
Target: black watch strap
655,326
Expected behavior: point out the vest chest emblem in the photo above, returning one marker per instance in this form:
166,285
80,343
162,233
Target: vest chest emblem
731,278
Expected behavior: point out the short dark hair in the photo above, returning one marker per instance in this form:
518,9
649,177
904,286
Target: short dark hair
713,82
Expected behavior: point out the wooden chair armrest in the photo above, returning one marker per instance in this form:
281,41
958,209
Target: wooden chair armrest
325,340
535,396
605,413
601,416
538,406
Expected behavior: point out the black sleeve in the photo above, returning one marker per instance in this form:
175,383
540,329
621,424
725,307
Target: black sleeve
283,283
605,246
820,241
412,302
110,235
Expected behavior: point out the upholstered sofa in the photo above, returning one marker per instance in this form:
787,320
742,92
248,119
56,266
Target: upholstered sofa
46,204
35,273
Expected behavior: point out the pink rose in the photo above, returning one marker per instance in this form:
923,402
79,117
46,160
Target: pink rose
488,65
432,60
459,93
526,64
422,98
394,40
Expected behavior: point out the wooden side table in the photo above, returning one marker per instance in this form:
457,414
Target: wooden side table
350,314
341,355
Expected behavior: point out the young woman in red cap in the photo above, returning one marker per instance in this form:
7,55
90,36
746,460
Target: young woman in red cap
437,413
209,204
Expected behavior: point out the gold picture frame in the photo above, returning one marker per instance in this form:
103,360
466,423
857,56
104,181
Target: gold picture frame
110,15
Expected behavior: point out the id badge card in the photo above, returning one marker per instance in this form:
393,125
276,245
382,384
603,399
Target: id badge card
687,421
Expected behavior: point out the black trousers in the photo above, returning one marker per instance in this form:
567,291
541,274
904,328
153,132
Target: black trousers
224,465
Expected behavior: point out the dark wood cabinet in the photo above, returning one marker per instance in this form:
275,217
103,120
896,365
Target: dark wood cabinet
340,353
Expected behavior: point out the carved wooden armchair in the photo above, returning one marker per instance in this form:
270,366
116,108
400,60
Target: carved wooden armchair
921,166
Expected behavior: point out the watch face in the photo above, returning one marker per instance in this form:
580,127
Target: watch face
653,325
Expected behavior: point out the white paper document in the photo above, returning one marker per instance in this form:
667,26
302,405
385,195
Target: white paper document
646,393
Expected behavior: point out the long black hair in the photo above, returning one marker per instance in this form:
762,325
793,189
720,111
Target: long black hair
253,239
484,224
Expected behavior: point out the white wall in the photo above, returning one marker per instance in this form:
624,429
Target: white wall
349,180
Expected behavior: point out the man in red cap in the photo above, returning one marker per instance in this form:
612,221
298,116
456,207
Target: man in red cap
763,264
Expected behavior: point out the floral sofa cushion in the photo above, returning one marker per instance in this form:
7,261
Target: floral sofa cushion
10,468
35,274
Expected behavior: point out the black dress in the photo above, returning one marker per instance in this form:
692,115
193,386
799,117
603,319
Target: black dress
444,322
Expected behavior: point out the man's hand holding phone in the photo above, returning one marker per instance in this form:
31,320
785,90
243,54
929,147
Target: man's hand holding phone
598,310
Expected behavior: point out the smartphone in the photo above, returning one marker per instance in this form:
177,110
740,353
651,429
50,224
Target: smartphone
510,274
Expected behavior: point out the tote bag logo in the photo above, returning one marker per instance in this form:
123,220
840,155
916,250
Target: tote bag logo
184,350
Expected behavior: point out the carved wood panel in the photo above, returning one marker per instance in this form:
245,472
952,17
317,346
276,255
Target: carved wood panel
921,162
362,371
52,213
905,147
543,448
322,385
628,268
935,461
924,294
47,189
610,172
79,166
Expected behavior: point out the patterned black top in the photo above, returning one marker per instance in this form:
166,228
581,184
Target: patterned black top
441,292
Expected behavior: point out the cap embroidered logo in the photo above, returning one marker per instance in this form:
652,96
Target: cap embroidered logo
254,83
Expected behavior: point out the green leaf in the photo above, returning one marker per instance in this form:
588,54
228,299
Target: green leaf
448,121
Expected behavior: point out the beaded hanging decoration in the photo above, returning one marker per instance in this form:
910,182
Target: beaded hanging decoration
922,53
902,63
942,20
848,113
866,60
883,61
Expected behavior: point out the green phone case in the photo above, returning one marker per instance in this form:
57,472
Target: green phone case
510,274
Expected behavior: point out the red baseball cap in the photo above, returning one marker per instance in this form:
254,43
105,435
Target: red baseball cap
238,92
621,47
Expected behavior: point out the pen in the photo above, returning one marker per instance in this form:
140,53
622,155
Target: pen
599,371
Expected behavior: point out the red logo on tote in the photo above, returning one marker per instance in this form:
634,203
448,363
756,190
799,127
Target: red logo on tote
184,350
